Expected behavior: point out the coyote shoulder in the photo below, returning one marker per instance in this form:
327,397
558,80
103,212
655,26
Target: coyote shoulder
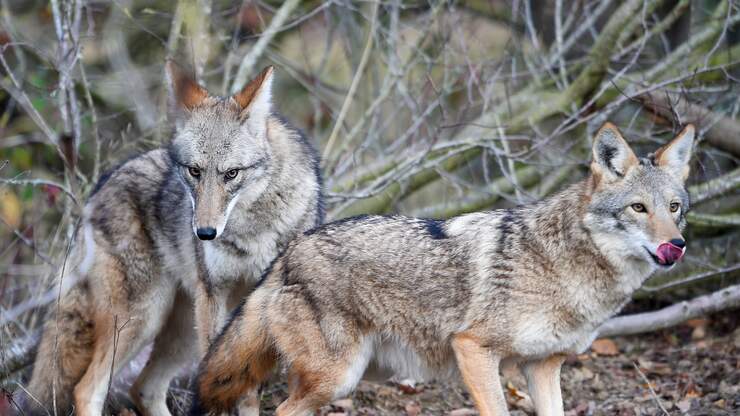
425,297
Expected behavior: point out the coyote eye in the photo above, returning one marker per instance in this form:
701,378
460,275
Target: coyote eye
638,207
233,173
675,206
194,172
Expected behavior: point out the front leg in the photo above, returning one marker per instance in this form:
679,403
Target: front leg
479,368
543,381
211,310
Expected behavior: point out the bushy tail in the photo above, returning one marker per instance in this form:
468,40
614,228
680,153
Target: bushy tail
238,361
64,353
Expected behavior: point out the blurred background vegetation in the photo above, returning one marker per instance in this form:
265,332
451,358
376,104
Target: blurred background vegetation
431,108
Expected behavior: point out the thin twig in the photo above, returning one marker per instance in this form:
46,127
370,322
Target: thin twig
650,387
42,182
355,83
250,59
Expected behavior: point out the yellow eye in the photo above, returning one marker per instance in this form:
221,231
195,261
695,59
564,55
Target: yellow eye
638,207
233,173
675,206
194,172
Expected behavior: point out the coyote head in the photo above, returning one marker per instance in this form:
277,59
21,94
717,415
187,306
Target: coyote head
220,148
638,206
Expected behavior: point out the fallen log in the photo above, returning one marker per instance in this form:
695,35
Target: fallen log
726,298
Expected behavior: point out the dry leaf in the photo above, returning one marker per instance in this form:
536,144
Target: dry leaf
10,208
520,399
655,368
412,408
692,392
463,412
684,405
385,392
514,392
581,374
605,346
52,193
4,403
582,408
696,323
409,387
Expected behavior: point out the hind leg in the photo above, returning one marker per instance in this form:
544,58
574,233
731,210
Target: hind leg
325,351
173,349
120,335
321,375
308,392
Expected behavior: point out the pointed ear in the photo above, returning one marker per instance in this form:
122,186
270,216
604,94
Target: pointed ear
255,98
184,92
612,156
676,155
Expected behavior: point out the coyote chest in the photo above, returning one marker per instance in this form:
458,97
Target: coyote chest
231,258
539,335
567,325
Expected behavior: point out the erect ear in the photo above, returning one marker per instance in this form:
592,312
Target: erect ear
184,92
612,156
254,99
675,156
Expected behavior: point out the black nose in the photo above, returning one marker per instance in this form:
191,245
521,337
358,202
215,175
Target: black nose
206,233
678,242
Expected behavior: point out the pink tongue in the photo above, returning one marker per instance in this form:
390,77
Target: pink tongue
668,253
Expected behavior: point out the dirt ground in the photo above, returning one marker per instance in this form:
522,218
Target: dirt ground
691,369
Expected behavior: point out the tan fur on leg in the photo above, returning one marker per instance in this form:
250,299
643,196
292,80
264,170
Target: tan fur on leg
479,369
210,315
308,392
543,380
114,347
169,355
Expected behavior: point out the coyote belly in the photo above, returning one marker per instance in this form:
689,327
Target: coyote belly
528,284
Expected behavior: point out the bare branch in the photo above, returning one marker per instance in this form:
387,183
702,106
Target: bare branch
355,83
250,59
723,132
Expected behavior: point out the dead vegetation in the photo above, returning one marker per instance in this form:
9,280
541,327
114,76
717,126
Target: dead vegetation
431,108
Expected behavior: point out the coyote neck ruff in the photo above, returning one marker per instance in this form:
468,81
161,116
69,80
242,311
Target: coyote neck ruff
426,297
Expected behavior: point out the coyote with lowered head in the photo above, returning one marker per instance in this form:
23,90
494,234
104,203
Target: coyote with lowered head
197,221
426,297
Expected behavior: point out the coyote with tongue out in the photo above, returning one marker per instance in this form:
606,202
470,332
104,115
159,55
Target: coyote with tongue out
425,297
